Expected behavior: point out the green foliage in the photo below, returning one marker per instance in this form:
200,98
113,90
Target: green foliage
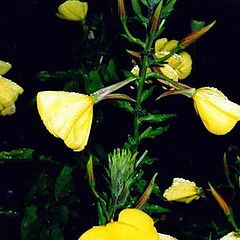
64,183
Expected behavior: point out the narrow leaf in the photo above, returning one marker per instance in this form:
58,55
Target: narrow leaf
64,183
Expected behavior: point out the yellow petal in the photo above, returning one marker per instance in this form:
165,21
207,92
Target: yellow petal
231,236
169,72
159,44
73,10
142,221
96,233
9,92
4,67
67,115
185,67
219,115
182,190
166,237
170,45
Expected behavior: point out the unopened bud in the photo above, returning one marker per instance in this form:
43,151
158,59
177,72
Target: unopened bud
220,200
155,21
121,9
194,36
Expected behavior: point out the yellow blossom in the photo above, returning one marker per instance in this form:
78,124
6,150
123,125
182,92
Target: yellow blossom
219,115
67,115
132,224
166,237
4,67
182,190
9,92
231,236
73,10
179,65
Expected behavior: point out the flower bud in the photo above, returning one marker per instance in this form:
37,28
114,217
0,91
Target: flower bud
121,9
194,36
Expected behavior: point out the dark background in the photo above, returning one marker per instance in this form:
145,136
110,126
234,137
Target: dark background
34,39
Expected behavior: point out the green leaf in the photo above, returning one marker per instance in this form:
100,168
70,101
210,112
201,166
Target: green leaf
93,82
124,105
195,25
168,8
17,154
145,2
28,222
150,208
138,11
147,93
64,183
39,189
112,70
71,85
61,215
152,133
54,232
156,118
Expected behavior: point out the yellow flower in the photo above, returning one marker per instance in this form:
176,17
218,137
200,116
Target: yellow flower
166,237
219,115
231,236
9,92
4,67
179,65
182,190
67,115
132,224
73,10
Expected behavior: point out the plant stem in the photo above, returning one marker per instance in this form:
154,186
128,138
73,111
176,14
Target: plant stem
140,85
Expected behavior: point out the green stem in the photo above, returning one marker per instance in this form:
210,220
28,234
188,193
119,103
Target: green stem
232,221
130,37
140,85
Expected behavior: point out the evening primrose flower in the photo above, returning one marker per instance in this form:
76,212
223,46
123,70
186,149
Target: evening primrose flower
67,115
218,114
231,236
166,237
9,92
73,10
4,67
179,65
132,224
182,190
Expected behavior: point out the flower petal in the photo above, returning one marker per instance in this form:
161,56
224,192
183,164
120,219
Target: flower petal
73,10
219,115
67,115
9,92
182,190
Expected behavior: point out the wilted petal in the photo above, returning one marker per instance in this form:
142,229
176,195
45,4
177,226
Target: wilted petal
67,115
219,115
